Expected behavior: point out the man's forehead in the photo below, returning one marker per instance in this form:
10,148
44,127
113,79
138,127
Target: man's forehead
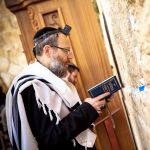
63,40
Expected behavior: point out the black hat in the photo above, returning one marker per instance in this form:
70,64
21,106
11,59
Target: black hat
43,31
51,30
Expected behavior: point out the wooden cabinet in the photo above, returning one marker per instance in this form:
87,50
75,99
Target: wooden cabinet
89,55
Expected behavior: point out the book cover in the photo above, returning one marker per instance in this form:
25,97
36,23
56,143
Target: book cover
110,85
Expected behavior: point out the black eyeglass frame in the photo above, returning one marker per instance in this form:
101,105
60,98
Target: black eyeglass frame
63,49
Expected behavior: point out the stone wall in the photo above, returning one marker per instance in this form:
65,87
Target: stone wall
129,27
12,57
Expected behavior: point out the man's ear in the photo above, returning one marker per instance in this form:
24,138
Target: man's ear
47,50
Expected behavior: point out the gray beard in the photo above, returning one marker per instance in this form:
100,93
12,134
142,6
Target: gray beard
57,68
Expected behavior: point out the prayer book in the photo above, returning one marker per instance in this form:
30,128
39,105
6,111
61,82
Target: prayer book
110,85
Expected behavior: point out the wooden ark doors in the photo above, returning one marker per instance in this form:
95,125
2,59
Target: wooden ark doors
112,128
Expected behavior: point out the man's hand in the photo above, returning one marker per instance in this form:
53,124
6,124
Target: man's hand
97,102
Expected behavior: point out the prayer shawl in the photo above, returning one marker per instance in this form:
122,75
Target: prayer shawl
34,74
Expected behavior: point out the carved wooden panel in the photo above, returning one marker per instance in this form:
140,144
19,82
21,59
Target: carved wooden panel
51,19
33,18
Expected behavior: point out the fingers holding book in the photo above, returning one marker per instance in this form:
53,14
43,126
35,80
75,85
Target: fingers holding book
98,102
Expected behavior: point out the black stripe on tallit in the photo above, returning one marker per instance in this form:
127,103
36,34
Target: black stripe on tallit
13,87
15,111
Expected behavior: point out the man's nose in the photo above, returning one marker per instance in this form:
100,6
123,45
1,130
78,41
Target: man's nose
70,55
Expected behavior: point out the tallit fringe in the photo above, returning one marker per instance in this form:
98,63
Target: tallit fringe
58,118
40,104
50,114
44,109
74,143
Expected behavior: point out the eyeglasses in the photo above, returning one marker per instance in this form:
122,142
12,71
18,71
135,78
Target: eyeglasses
67,51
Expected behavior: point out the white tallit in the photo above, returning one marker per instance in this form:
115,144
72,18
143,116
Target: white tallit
64,89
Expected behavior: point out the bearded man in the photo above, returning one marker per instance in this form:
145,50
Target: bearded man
45,112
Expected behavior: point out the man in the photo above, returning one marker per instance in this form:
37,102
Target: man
44,112
72,73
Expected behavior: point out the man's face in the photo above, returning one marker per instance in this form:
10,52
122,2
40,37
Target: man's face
60,58
73,77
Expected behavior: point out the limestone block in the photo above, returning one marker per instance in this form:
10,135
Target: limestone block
5,24
14,24
10,38
3,9
14,69
17,57
2,53
7,78
22,61
4,64
145,31
146,46
145,60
